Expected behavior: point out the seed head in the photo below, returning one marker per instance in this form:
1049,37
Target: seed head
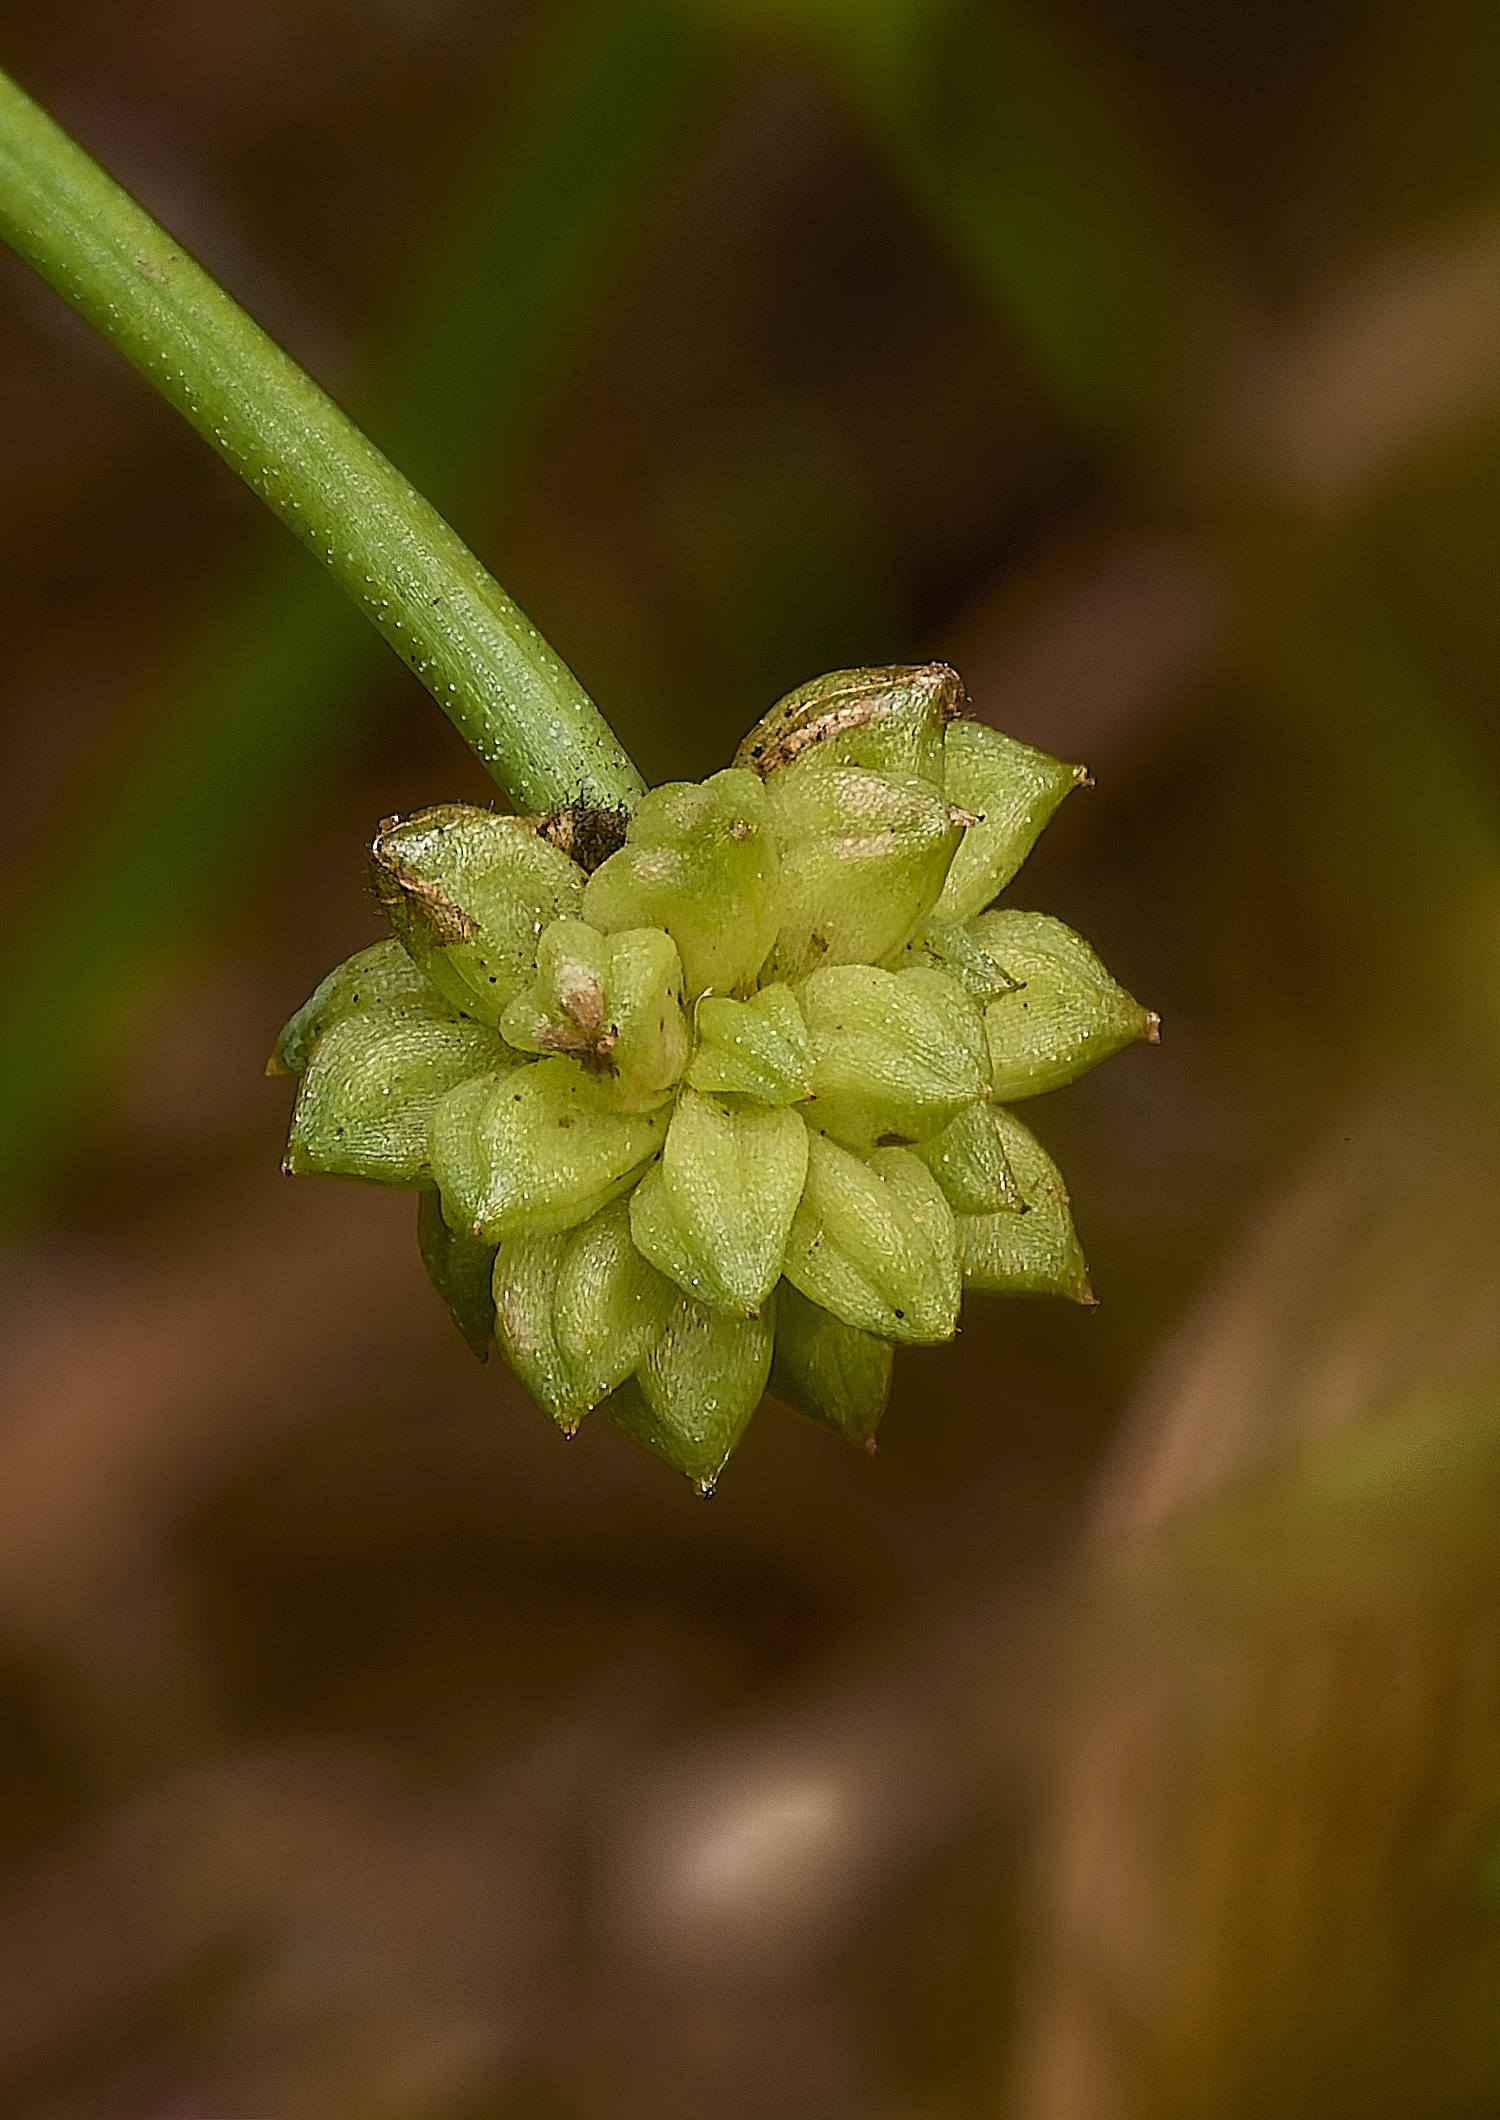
723,1094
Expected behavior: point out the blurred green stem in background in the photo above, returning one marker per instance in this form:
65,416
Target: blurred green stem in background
1045,186
513,701
600,119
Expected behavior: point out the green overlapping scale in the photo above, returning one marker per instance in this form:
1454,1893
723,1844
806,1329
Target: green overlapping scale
754,1048
897,1056
468,894
715,1211
461,1270
367,1101
536,1148
969,1162
876,1243
830,1371
863,858
381,975
692,1398
612,1304
577,1312
1065,1013
942,946
1032,1254
612,1002
1013,791
699,862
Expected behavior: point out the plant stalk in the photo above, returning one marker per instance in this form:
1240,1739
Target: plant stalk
509,694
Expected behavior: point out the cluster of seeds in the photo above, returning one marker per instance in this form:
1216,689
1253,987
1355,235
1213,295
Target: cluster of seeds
718,1098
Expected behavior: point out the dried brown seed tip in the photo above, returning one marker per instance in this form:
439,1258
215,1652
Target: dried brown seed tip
1151,1028
586,832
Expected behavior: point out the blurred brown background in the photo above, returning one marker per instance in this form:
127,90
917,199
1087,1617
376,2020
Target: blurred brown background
1124,1742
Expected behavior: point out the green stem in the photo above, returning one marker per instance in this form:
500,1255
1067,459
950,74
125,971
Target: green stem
511,697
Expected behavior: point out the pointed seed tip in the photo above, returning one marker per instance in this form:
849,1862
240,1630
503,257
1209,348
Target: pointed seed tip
872,1448
1151,1028
1086,1297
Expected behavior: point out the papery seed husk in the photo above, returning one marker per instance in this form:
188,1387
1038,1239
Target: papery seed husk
889,720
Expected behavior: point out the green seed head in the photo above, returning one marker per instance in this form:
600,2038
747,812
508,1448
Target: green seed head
728,1101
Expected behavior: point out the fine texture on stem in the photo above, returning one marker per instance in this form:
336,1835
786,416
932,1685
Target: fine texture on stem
587,133
513,700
